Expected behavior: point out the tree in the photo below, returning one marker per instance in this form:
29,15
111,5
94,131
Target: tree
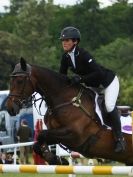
10,51
126,91
7,22
118,56
32,26
16,5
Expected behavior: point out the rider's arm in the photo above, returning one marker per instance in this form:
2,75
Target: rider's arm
95,74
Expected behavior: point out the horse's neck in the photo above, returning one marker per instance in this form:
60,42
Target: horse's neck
48,83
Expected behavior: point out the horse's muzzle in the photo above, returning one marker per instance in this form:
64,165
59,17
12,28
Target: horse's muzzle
13,108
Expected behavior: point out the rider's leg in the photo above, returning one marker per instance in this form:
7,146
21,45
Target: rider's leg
111,94
116,127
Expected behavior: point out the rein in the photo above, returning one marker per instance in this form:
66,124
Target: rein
34,103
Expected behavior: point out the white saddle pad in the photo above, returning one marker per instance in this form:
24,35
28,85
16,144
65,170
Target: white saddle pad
126,122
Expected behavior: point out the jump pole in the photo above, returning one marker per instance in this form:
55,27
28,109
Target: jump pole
57,169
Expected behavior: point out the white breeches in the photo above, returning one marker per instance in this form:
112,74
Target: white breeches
111,94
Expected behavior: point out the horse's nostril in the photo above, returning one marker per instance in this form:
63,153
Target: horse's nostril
14,109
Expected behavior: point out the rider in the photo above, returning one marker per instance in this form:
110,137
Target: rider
80,62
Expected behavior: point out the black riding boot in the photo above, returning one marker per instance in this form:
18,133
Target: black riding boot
116,127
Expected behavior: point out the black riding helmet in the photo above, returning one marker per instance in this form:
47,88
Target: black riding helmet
70,33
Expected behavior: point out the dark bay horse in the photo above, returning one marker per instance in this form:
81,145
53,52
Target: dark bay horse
71,118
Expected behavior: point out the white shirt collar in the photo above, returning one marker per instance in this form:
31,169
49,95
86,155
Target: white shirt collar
72,56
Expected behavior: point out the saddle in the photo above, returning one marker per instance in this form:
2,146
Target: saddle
98,98
101,104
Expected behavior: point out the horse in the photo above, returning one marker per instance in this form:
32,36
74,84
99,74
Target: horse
70,119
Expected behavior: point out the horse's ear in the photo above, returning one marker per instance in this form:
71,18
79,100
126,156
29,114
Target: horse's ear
23,64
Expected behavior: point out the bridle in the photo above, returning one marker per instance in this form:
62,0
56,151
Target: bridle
21,96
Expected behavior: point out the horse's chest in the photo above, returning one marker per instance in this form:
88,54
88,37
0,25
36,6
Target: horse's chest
51,122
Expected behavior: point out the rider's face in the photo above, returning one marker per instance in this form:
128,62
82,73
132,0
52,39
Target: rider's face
68,44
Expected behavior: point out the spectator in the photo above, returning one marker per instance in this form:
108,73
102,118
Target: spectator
24,134
3,159
9,158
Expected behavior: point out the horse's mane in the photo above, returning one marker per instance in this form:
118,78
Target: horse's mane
61,78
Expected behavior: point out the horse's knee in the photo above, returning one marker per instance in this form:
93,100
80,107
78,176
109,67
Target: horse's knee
42,137
37,149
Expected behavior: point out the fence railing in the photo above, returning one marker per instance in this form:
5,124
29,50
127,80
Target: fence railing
14,147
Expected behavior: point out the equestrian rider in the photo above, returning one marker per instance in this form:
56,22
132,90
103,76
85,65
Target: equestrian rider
87,71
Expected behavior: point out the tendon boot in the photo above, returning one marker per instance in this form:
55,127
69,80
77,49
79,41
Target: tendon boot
120,144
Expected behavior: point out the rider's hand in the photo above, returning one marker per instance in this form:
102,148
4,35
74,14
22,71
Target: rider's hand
75,80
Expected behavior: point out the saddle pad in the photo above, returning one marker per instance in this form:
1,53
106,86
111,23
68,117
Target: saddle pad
126,122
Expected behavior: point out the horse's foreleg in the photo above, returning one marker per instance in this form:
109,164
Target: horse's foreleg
44,152
55,136
48,137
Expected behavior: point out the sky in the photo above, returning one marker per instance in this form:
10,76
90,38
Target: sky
72,2
104,3
61,2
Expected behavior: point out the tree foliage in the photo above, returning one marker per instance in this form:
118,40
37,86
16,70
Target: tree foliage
118,56
32,25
